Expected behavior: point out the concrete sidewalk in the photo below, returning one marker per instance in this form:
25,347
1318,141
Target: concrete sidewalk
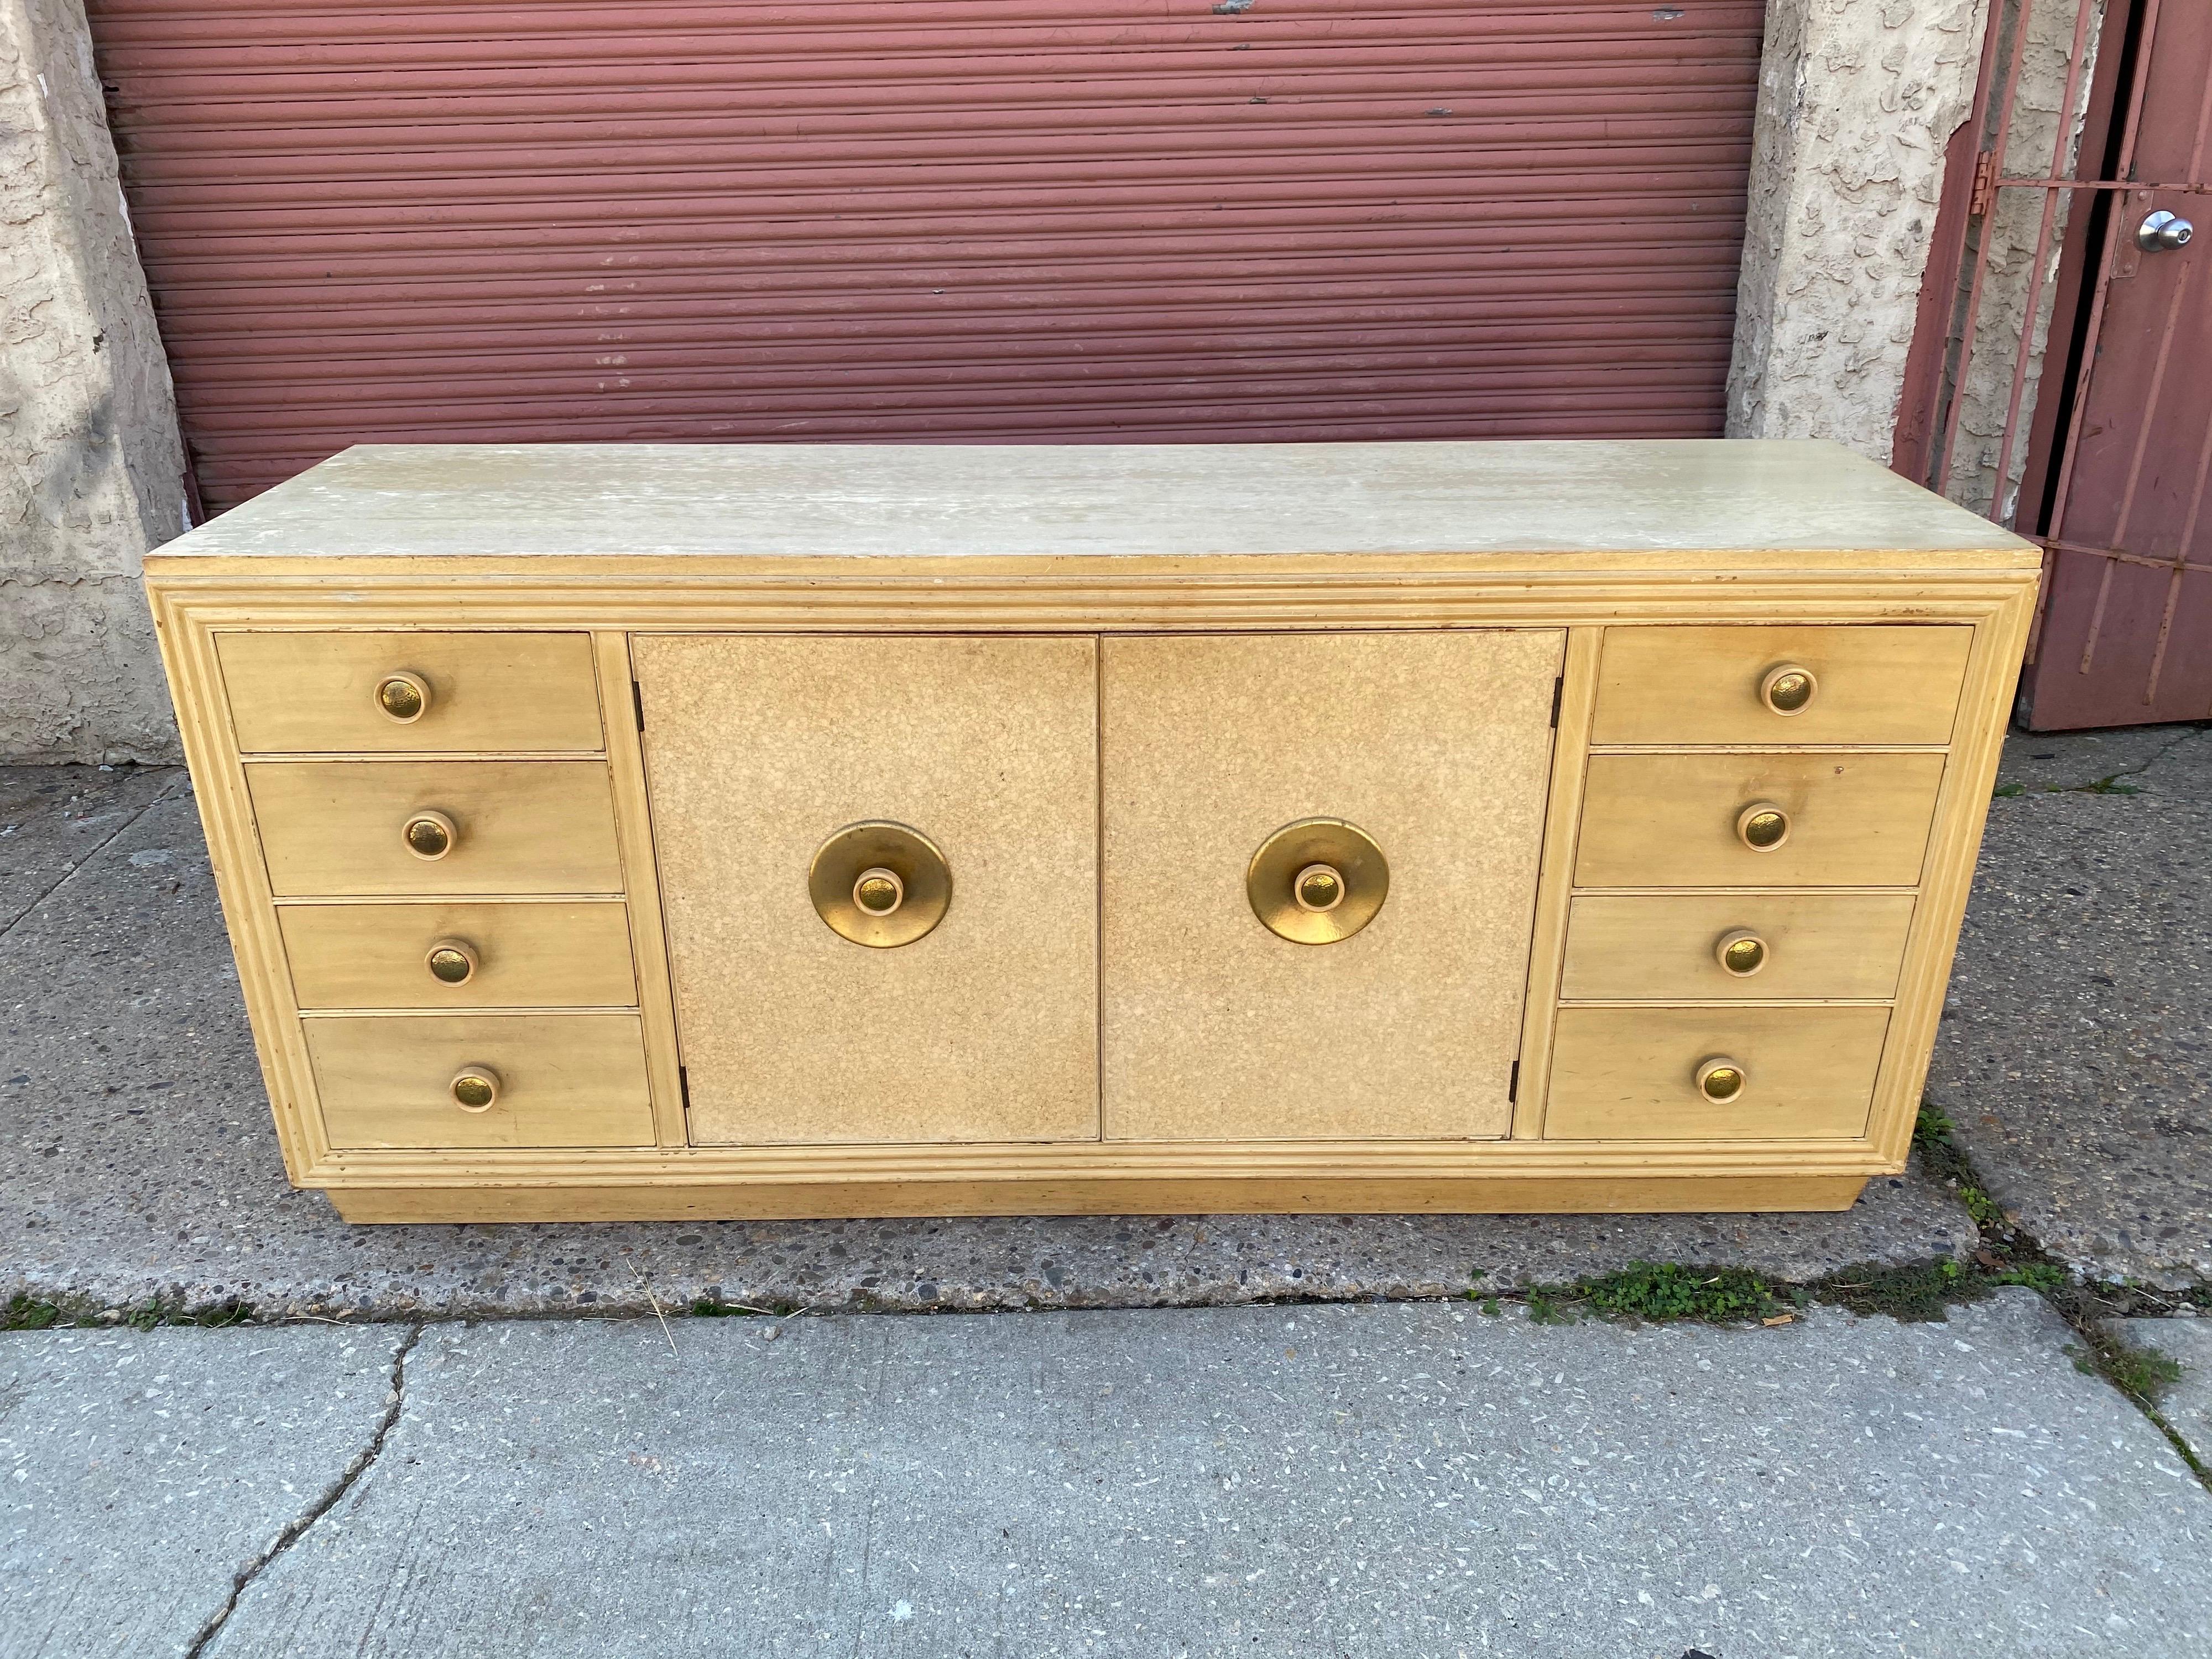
1404,1481
2076,1047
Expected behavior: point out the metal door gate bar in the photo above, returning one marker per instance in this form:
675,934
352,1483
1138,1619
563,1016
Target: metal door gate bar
1996,105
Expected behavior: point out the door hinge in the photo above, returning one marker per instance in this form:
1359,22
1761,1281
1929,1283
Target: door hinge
637,704
683,1085
1558,691
1513,1086
1985,184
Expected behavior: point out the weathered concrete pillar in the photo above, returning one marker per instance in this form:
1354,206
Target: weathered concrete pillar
1857,100
91,466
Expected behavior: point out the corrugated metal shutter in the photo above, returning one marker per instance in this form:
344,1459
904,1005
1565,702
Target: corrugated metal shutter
472,220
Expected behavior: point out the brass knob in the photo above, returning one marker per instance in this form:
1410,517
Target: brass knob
879,891
404,696
1720,1080
1762,826
1318,889
429,835
1788,689
451,961
1741,953
1318,881
475,1088
880,883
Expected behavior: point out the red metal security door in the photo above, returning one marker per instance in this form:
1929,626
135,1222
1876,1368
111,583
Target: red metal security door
914,220
2126,635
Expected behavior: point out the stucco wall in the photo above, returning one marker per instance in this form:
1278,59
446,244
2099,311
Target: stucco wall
1857,100
91,471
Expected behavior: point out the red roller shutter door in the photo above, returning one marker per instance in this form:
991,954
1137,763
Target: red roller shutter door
917,220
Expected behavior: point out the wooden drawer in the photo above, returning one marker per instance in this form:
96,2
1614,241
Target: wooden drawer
1631,1074
316,693
1874,684
1663,948
1671,820
565,1079
333,827
544,955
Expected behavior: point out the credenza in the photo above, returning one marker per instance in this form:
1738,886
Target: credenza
659,831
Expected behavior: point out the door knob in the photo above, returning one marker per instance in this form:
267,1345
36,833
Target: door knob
879,884
1318,881
878,891
2163,232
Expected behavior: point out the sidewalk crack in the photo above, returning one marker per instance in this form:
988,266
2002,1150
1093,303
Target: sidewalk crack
2109,784
78,866
295,1529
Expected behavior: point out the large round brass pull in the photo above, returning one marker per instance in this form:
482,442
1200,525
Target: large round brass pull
451,961
429,835
1720,1080
1762,826
1318,881
403,696
880,883
475,1088
1788,689
1741,953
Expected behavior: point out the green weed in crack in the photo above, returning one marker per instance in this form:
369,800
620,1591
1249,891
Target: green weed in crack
1658,1292
23,1311
2144,1376
708,1307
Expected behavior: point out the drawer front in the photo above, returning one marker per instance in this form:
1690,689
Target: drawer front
1672,820
545,955
760,751
1875,684
335,828
318,693
1666,948
1436,745
1631,1074
564,1079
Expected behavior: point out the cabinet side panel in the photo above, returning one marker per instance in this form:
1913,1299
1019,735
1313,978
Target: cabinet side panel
619,703
1992,675
188,654
1556,876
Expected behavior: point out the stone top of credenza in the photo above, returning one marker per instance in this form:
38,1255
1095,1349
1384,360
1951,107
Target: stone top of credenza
1749,501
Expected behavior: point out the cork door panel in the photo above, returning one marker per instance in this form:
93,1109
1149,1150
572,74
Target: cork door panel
1439,746
757,750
